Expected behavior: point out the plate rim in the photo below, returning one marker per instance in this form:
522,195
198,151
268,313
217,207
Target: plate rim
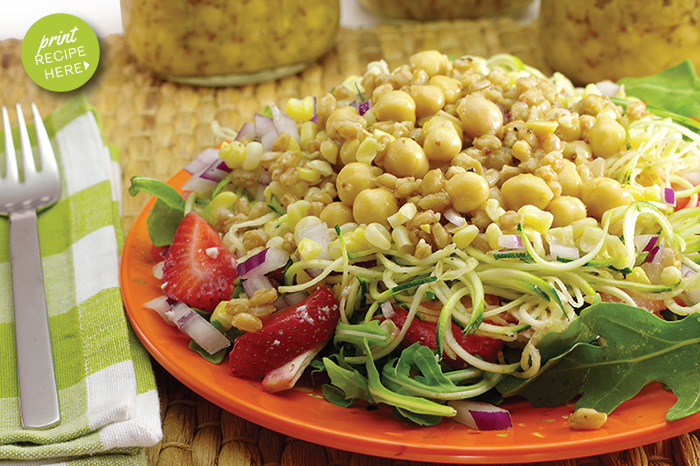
581,445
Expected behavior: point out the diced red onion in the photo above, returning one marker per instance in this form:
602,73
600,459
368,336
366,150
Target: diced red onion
246,131
692,295
565,252
161,306
268,139
669,197
481,416
455,218
255,283
292,298
510,241
693,177
265,261
284,377
158,270
284,123
263,125
202,161
608,88
645,243
388,310
207,178
198,328
654,255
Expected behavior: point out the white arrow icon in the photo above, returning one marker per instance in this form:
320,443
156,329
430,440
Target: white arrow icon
86,64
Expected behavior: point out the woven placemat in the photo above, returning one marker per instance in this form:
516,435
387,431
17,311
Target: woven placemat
159,126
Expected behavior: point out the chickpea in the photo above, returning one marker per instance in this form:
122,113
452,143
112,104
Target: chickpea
374,205
479,116
526,189
566,210
336,213
569,179
468,191
428,99
607,137
344,123
442,144
603,194
451,87
430,61
405,157
395,106
352,179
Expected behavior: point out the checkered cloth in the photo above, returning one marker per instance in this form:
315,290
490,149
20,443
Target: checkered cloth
107,393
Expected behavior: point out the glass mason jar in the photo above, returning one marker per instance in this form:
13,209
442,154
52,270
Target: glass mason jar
229,42
593,41
429,10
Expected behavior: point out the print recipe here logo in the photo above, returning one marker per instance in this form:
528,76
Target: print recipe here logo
60,52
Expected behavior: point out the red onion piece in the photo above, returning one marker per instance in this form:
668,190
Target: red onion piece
292,298
692,295
161,306
481,416
198,328
265,261
202,161
209,177
669,197
693,177
263,125
645,243
510,241
284,123
388,310
654,254
608,88
565,252
455,218
246,131
255,283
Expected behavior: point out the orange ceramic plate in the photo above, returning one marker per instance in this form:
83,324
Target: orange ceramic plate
540,434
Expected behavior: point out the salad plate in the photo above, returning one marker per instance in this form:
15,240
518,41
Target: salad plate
539,434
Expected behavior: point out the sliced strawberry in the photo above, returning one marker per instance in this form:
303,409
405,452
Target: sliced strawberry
199,270
424,333
288,333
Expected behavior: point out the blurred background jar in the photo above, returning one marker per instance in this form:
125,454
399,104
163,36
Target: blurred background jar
590,41
429,10
229,42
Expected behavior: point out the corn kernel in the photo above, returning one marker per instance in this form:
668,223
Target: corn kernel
425,227
296,211
367,150
378,133
638,276
334,249
352,244
307,133
493,232
223,200
561,235
615,248
253,153
309,249
309,174
223,317
402,239
233,154
590,238
536,219
464,237
300,109
494,210
542,128
405,213
378,236
329,151
670,275
579,226
321,166
293,145
359,235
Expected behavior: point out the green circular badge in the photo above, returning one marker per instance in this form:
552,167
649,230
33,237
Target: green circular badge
60,52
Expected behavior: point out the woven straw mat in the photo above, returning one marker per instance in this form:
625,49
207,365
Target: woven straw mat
159,126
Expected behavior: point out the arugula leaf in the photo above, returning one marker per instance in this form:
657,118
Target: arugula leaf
167,212
676,89
634,349
348,380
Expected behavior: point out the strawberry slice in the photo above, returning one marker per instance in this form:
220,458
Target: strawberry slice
287,334
199,269
424,333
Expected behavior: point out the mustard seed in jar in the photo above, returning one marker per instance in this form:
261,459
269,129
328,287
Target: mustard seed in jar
229,42
592,41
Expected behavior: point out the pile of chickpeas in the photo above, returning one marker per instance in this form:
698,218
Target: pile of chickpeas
442,139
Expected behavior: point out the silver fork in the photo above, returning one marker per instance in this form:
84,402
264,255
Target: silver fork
20,196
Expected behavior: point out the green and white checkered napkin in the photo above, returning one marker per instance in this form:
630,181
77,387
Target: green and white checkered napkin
107,393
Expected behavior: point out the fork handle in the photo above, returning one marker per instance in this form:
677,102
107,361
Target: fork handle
37,384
